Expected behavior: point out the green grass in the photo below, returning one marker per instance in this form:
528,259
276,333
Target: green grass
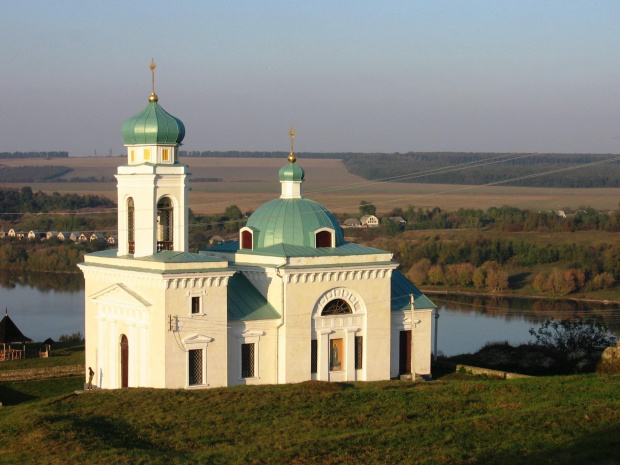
61,354
572,419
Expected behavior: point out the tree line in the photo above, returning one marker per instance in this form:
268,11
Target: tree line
15,202
52,154
485,168
505,218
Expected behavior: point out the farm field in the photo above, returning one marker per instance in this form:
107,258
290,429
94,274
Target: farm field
249,182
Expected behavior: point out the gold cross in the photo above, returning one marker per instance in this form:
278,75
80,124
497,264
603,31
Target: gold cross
292,134
153,66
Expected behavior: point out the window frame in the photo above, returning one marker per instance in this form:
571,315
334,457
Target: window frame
249,337
197,342
337,344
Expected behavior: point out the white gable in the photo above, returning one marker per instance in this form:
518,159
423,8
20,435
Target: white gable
119,295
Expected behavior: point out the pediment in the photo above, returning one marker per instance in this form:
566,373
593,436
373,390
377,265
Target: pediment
199,339
120,295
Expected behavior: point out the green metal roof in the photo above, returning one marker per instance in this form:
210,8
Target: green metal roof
291,172
246,303
401,288
286,250
291,221
165,256
153,125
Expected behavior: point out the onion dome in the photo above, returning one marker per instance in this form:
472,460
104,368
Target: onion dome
153,125
291,172
293,222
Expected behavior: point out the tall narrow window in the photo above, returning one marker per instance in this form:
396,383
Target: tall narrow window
195,305
314,356
359,352
247,360
131,220
195,367
336,355
165,154
165,238
131,156
147,154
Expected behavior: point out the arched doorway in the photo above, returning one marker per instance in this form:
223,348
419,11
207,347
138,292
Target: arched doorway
124,361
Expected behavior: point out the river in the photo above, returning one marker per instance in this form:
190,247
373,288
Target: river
50,304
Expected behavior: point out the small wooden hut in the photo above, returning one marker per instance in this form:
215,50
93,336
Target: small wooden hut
10,334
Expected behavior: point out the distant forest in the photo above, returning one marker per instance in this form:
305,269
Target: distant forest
15,202
514,169
34,154
526,170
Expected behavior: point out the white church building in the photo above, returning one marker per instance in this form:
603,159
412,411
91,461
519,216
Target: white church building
291,301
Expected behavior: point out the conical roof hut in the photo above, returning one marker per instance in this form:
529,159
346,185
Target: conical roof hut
9,332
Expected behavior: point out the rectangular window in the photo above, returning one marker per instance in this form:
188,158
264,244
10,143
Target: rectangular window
195,305
336,355
147,154
314,355
195,367
165,155
359,352
247,360
131,155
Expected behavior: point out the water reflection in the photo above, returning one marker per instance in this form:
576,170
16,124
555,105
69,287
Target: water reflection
44,305
69,282
467,323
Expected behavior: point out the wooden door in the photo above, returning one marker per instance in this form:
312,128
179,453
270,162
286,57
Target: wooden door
124,362
405,353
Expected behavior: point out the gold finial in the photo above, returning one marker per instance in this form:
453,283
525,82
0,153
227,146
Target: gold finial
292,157
153,96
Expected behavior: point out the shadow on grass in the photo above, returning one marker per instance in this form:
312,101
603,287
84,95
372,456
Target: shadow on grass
599,447
113,435
9,396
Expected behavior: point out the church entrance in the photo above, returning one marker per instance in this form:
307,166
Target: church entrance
405,353
124,362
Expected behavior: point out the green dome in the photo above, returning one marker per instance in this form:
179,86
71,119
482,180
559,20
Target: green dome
153,125
291,221
291,172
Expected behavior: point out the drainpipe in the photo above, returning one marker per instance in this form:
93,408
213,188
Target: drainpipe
278,273
436,333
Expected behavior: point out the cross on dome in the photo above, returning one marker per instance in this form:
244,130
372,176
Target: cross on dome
292,158
153,96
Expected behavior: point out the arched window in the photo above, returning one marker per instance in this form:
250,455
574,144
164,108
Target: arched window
336,307
131,221
165,240
323,239
246,239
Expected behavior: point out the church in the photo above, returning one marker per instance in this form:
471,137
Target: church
291,301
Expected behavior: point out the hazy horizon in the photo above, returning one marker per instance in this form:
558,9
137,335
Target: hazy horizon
440,76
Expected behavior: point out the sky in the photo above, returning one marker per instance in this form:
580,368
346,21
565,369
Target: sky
352,76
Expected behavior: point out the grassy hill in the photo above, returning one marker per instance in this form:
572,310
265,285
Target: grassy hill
564,420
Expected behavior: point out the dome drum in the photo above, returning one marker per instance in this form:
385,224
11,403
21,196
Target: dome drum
300,222
156,154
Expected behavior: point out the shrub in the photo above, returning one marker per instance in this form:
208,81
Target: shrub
75,337
574,335
418,274
435,275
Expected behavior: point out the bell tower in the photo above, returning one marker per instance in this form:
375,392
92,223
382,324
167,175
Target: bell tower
153,185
